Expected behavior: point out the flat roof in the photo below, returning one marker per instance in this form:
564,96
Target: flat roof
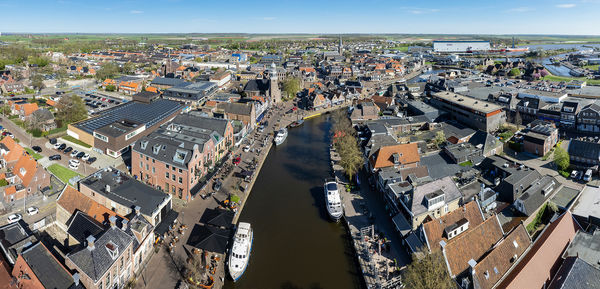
465,101
144,113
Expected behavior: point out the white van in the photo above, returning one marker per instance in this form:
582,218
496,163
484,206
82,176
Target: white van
588,175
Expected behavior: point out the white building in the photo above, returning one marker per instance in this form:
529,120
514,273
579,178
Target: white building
460,45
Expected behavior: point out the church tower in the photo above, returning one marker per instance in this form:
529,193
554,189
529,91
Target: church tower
275,93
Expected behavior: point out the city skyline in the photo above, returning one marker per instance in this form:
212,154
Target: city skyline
309,17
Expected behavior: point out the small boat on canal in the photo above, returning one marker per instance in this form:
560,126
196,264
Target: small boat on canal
333,201
239,256
297,123
280,136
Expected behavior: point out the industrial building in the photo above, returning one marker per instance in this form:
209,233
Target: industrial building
473,112
455,46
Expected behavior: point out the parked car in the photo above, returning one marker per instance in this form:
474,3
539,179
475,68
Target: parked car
588,175
246,149
52,141
14,218
574,174
80,155
85,157
91,160
73,166
217,186
57,145
74,153
36,149
32,211
67,150
54,157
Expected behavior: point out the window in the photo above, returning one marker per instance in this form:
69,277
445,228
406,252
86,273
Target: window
101,137
167,166
167,175
141,164
173,177
22,171
180,180
173,168
173,189
153,170
167,187
146,157
180,171
147,168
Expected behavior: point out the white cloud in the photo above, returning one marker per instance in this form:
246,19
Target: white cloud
521,9
422,10
570,5
136,12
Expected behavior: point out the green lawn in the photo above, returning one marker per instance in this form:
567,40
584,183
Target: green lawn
74,140
466,164
64,174
567,79
592,67
57,130
35,155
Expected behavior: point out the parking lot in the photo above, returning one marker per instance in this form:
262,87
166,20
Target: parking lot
96,102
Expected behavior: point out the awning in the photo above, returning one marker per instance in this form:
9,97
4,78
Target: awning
166,222
401,224
218,217
209,238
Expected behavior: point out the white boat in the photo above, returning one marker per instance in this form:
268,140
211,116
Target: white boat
280,136
239,256
333,200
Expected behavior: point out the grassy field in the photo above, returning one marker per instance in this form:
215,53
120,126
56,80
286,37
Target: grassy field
64,174
567,79
74,140
35,155
592,67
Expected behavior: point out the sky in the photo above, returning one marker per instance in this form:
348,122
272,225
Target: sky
569,17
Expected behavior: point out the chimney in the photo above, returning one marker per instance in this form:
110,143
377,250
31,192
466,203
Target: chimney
137,210
113,221
76,279
124,225
90,242
107,189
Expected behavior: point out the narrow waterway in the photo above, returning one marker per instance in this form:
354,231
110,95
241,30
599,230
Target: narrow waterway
295,245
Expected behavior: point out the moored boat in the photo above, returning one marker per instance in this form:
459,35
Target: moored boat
333,200
239,256
280,136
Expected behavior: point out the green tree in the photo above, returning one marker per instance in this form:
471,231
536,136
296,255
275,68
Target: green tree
440,138
291,86
108,70
345,143
37,81
514,72
128,68
561,159
110,87
69,109
427,272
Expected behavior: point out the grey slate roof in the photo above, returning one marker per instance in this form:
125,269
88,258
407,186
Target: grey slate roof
125,190
584,149
533,197
261,85
97,261
43,114
236,108
576,274
445,185
487,141
82,226
585,246
167,81
46,268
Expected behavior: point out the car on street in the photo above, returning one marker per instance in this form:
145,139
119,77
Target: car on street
32,211
14,218
246,149
80,155
36,149
54,157
68,150
74,153
574,174
91,160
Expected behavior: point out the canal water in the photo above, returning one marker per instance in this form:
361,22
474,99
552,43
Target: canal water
295,245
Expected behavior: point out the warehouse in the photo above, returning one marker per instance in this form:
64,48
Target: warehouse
460,46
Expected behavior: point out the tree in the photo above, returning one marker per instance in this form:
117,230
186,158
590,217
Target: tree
345,144
108,70
561,159
291,86
110,87
427,272
69,109
128,68
514,72
440,138
37,81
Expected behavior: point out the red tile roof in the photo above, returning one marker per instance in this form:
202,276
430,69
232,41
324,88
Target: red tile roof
25,169
407,154
15,150
472,244
542,261
434,228
73,200
494,265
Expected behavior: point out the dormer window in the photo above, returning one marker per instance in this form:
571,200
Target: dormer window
22,171
143,144
113,250
156,149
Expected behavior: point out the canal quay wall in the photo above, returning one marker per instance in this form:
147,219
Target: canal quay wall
376,264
